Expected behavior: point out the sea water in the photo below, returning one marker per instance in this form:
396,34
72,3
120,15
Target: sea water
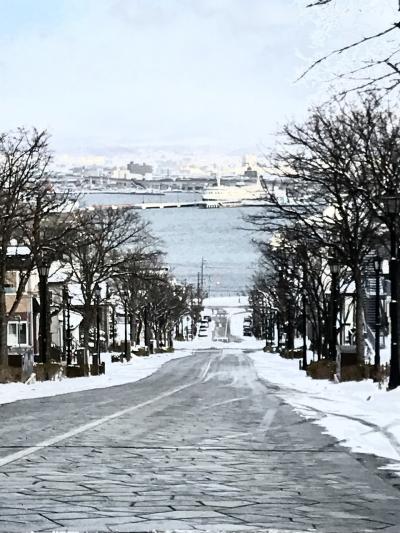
220,237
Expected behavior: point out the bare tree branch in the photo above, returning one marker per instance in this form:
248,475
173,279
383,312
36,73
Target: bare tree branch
338,51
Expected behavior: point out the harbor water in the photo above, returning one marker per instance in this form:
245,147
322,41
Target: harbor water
190,234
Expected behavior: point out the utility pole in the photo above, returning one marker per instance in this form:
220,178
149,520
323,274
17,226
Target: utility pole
304,305
202,277
125,331
377,359
391,208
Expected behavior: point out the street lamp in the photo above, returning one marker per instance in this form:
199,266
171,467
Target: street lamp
334,267
97,294
43,266
377,268
391,208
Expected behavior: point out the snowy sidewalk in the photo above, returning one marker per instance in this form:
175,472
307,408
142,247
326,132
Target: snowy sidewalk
116,374
359,414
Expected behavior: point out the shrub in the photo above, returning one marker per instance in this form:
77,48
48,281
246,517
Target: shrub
291,354
51,370
326,369
10,374
269,348
323,369
141,352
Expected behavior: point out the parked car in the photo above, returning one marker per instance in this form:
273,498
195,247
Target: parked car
203,332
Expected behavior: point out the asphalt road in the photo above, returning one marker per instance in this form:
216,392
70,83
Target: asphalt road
202,444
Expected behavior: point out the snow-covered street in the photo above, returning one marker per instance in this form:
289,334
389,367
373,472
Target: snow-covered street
359,414
218,436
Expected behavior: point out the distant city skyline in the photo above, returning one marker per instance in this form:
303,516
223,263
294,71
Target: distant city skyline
108,77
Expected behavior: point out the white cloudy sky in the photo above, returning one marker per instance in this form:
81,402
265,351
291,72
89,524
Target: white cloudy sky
105,74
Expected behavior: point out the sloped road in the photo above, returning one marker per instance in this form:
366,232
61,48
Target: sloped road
203,444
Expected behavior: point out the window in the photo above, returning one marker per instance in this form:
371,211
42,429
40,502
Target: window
17,333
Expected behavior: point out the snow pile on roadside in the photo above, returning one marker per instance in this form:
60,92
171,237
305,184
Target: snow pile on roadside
359,414
116,374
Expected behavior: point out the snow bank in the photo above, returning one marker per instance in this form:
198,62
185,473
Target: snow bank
359,414
116,374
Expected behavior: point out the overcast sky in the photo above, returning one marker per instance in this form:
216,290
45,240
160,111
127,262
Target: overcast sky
105,74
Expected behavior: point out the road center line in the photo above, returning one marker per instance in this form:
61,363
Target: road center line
267,420
224,402
206,369
85,427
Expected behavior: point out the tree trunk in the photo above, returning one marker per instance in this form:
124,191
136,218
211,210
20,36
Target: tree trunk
318,336
3,318
87,314
290,327
132,328
170,340
359,300
157,336
138,332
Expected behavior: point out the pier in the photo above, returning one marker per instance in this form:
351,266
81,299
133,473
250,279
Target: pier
151,205
168,205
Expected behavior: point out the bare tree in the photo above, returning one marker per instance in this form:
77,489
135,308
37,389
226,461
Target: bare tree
26,204
95,255
152,298
379,72
291,266
327,159
136,273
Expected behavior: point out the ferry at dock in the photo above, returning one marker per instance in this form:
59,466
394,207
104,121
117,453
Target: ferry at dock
217,195
238,194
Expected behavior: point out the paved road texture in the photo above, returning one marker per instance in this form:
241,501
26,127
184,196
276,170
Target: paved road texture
203,444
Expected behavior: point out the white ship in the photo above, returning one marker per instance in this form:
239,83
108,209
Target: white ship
217,195
237,194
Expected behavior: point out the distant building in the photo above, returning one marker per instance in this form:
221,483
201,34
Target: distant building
143,169
250,173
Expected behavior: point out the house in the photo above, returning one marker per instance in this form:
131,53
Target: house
22,317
